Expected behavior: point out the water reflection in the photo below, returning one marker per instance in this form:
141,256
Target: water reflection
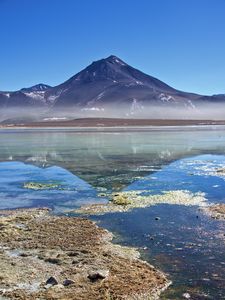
72,191
111,160
195,174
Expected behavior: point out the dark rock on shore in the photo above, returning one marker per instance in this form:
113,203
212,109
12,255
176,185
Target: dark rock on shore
52,281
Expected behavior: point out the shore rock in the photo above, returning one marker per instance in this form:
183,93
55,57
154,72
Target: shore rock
98,274
216,211
51,281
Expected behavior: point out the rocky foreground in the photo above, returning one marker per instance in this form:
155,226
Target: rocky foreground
49,257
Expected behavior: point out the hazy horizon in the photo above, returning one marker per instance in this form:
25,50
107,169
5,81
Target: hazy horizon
202,112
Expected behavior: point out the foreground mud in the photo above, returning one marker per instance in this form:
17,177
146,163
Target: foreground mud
49,257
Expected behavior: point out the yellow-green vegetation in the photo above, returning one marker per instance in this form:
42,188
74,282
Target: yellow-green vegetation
120,199
125,201
40,186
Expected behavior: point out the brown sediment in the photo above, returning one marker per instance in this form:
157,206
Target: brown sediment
216,211
116,122
76,253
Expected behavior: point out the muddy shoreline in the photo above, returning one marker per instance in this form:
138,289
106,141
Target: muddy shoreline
111,122
50,257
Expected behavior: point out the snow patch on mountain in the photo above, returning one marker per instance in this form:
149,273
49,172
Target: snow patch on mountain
36,95
92,109
55,119
166,98
119,62
100,96
53,97
139,83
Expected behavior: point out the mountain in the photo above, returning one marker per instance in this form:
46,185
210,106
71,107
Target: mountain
108,83
111,82
26,97
41,87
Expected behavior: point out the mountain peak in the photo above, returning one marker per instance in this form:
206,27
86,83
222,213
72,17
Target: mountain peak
37,88
109,72
114,59
109,69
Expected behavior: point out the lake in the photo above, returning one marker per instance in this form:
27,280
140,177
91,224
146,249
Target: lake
88,165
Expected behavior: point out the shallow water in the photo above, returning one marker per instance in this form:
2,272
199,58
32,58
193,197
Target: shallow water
184,242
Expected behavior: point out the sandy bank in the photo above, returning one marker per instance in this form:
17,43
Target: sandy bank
49,257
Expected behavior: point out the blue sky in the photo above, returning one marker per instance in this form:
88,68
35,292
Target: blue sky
181,42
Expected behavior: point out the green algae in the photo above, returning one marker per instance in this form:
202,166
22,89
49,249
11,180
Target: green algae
121,199
125,201
41,186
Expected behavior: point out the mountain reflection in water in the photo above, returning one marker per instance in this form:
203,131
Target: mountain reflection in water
108,159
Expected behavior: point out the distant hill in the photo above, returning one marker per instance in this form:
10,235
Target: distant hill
108,83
